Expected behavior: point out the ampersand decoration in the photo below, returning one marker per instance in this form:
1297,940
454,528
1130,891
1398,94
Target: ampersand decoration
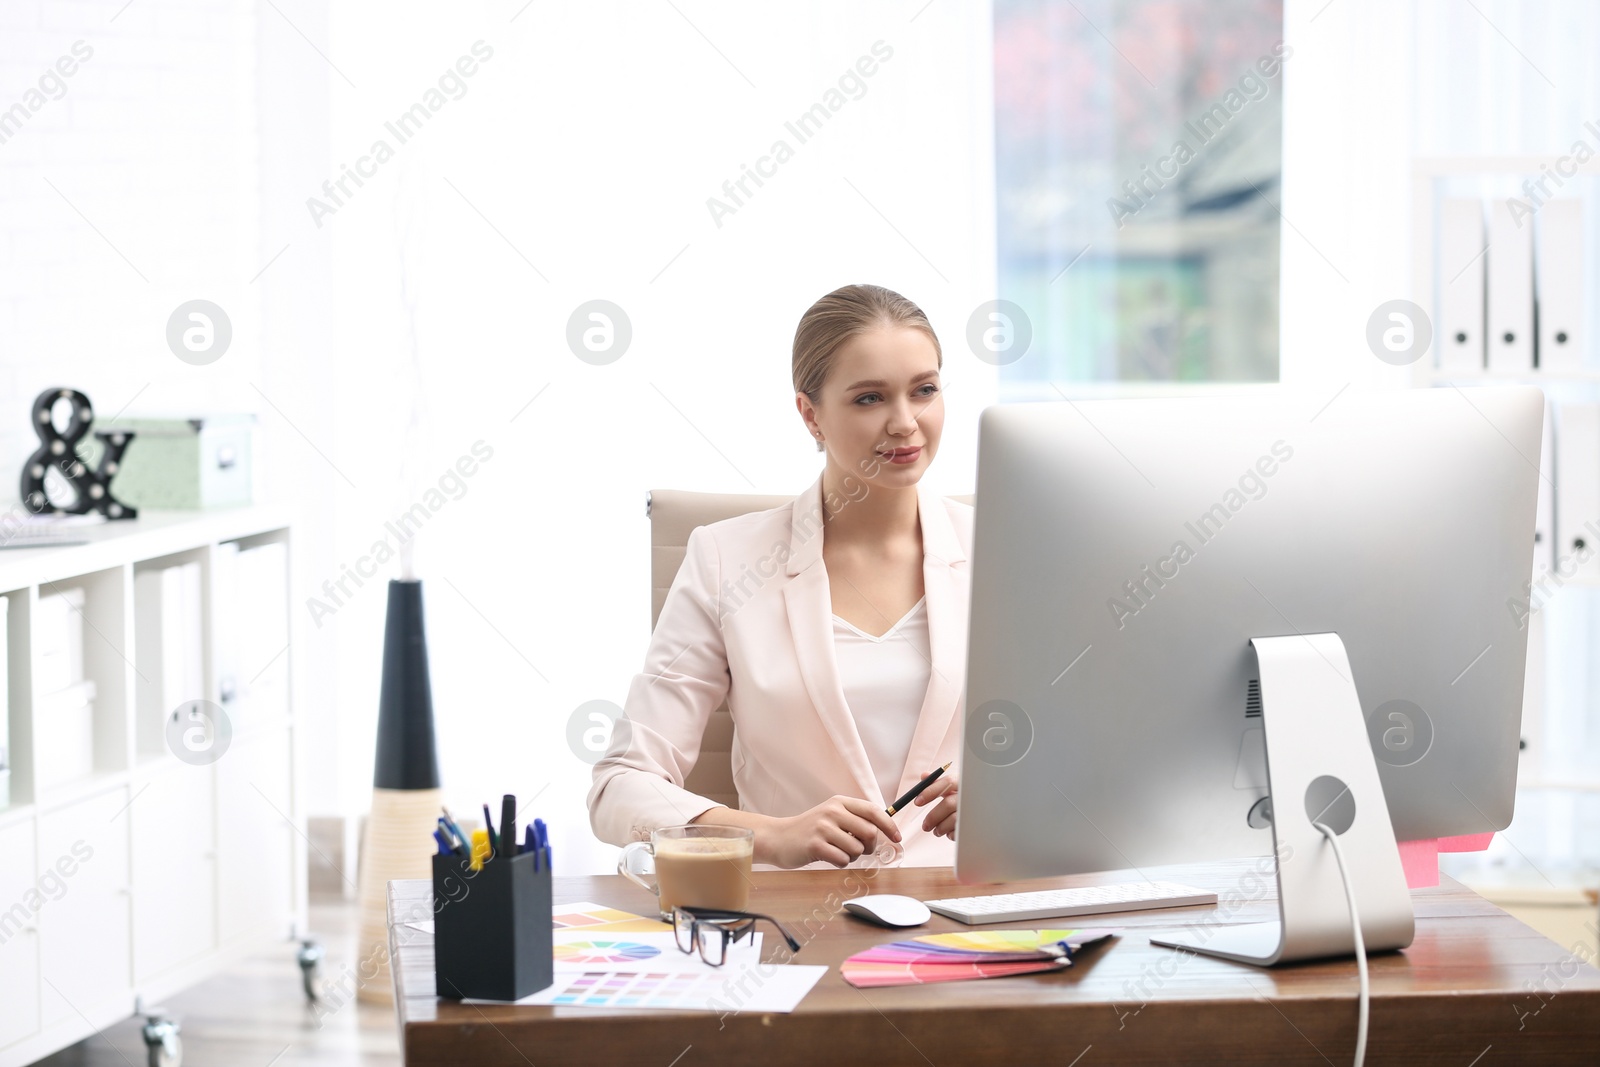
58,448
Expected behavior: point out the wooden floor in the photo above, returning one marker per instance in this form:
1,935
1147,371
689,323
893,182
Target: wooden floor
255,1015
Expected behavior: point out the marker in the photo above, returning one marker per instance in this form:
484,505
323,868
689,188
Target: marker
508,825
444,846
916,791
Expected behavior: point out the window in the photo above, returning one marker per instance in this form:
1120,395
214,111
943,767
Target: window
1139,153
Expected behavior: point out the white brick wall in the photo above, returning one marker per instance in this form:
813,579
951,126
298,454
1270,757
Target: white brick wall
187,140
152,143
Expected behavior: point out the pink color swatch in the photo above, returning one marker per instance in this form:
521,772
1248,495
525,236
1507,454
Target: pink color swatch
966,955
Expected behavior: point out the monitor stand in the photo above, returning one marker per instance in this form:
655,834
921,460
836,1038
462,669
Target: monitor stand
1320,767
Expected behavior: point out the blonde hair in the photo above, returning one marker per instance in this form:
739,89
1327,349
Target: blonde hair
841,315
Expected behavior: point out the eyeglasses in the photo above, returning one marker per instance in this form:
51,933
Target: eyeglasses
711,929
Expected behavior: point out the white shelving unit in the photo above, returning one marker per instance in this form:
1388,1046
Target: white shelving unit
144,876
1431,178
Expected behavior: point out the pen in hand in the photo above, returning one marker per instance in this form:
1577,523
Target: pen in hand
915,791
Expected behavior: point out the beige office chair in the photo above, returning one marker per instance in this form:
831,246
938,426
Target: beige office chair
673,515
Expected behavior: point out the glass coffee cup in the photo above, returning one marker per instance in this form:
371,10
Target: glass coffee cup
696,866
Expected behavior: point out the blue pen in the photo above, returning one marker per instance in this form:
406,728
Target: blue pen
455,832
444,846
530,843
543,836
447,836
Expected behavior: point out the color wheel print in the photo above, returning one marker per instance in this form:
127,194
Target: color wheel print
604,951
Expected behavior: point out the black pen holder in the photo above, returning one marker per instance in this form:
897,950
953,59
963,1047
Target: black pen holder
491,928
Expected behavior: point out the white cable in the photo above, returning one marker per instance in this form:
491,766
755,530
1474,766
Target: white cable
1361,947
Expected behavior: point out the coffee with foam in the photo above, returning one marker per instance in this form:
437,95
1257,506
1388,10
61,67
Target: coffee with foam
704,872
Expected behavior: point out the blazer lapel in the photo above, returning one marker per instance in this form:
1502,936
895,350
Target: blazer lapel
945,585
810,608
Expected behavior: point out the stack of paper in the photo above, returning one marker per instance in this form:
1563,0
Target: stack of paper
46,529
958,956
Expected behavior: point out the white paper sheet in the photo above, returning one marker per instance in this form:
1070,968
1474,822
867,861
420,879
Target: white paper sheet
669,978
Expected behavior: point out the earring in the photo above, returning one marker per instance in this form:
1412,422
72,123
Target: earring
820,446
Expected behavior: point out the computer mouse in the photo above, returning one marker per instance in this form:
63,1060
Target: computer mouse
888,909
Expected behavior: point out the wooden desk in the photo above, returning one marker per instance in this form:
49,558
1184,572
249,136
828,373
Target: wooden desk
1476,988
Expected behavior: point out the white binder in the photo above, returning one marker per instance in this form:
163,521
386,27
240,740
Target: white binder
1461,274
1531,763
5,707
167,614
1510,256
1559,277
1544,527
58,636
1578,491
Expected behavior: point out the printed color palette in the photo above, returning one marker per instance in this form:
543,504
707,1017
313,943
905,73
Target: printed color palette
639,989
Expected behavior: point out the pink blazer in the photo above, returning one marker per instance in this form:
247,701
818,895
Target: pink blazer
749,619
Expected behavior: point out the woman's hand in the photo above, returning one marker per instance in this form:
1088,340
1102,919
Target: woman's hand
837,831
942,819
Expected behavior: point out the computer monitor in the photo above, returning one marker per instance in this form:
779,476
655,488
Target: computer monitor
1130,559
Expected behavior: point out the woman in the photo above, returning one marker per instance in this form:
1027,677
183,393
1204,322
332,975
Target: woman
835,626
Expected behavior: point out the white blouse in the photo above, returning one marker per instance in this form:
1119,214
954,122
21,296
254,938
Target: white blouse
885,679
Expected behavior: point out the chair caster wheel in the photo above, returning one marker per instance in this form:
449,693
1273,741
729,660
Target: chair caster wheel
162,1040
309,957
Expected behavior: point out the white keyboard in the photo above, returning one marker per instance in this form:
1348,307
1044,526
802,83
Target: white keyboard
1055,903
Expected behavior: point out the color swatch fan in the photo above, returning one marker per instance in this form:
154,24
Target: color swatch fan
960,956
601,950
